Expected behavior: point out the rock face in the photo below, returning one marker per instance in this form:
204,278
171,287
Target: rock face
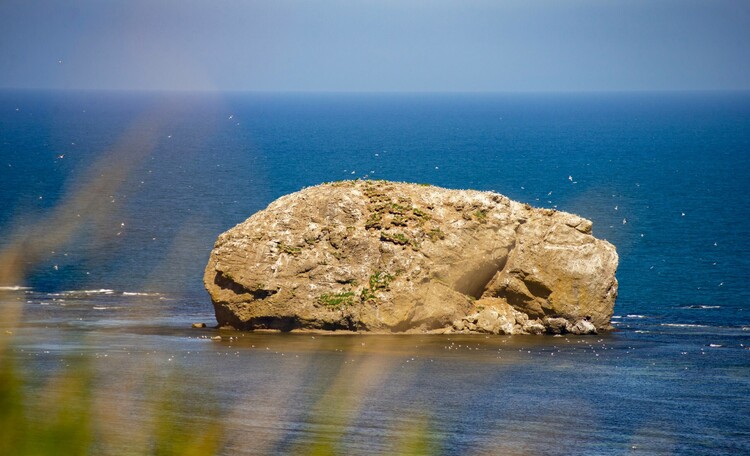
391,257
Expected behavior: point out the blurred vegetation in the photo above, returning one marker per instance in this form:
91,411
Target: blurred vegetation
73,410
61,417
67,415
55,420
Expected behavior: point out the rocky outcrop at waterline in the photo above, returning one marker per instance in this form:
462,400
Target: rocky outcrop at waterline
393,257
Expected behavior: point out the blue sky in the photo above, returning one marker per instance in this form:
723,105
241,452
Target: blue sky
337,45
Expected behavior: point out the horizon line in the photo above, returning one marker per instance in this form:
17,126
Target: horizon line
373,92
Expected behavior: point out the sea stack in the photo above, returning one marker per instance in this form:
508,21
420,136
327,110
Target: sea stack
387,257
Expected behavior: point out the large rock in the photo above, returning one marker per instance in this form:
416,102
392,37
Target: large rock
393,257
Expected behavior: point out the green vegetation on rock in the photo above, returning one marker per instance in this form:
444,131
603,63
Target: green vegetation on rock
288,249
436,234
375,221
380,280
337,300
419,213
395,238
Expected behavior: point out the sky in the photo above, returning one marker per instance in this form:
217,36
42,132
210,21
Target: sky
376,46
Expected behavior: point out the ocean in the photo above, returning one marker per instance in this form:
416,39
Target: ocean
116,199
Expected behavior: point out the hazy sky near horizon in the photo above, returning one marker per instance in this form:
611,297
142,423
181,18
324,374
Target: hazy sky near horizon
387,45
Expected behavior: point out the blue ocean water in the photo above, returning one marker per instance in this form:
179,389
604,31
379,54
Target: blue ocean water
673,166
130,191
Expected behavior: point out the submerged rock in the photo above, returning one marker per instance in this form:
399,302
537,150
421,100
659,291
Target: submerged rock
393,257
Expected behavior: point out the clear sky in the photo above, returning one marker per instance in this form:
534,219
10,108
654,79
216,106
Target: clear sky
387,45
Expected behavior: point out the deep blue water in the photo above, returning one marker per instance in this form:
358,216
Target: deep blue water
643,158
664,177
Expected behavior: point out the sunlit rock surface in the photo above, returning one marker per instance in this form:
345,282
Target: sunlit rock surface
392,257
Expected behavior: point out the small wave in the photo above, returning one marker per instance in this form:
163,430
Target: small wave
102,291
14,288
616,317
683,325
100,308
640,331
635,316
696,306
135,293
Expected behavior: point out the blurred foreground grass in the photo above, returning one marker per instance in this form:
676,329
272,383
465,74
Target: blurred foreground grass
58,421
65,416
68,413
71,409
